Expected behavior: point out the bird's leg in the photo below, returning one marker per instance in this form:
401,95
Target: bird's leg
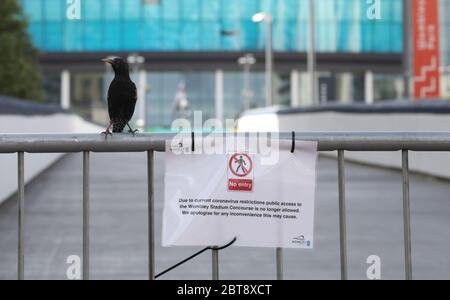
130,130
107,131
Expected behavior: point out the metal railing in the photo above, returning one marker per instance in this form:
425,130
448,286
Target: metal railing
336,141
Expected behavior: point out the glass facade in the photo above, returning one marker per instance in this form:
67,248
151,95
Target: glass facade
388,87
212,25
234,90
342,26
166,89
88,92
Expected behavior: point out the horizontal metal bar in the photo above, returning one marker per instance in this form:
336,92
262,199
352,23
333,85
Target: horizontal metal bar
327,141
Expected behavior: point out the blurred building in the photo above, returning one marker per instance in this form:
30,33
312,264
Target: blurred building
197,43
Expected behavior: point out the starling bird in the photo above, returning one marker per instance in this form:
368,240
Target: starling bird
122,97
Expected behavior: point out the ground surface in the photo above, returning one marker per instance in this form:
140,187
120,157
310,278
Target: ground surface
119,226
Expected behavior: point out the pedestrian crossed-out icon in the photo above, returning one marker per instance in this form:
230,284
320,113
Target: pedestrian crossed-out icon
240,164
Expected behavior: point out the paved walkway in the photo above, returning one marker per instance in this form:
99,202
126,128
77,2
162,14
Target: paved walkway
119,226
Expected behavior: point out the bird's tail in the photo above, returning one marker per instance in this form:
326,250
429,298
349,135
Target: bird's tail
118,126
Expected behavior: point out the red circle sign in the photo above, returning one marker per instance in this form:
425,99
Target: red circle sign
240,164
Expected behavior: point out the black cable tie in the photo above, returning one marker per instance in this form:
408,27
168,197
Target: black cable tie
195,255
193,142
293,142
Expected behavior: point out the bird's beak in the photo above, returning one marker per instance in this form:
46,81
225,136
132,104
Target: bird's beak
107,60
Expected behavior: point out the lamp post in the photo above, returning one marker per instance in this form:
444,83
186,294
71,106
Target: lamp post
257,18
312,53
247,61
136,61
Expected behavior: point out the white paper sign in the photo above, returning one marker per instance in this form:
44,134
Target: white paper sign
212,198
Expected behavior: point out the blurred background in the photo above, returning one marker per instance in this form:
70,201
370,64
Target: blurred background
274,65
192,55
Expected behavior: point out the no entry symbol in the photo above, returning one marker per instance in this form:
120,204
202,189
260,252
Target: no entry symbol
240,164
240,175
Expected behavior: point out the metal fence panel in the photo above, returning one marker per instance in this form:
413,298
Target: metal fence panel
340,141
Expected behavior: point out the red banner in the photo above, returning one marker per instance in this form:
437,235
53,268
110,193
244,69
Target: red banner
425,15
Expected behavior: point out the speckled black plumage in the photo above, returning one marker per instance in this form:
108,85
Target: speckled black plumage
122,96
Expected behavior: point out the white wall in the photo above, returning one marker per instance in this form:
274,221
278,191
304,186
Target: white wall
437,164
35,163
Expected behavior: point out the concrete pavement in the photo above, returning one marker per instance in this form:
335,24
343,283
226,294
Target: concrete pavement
119,226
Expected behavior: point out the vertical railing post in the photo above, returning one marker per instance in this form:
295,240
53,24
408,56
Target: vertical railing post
215,263
86,236
342,215
279,263
406,215
21,208
151,215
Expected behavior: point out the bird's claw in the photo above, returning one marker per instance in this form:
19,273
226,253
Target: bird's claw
133,132
106,133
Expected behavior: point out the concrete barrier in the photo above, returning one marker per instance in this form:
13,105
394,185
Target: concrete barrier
389,117
35,163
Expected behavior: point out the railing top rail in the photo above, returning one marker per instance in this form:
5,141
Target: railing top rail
327,141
